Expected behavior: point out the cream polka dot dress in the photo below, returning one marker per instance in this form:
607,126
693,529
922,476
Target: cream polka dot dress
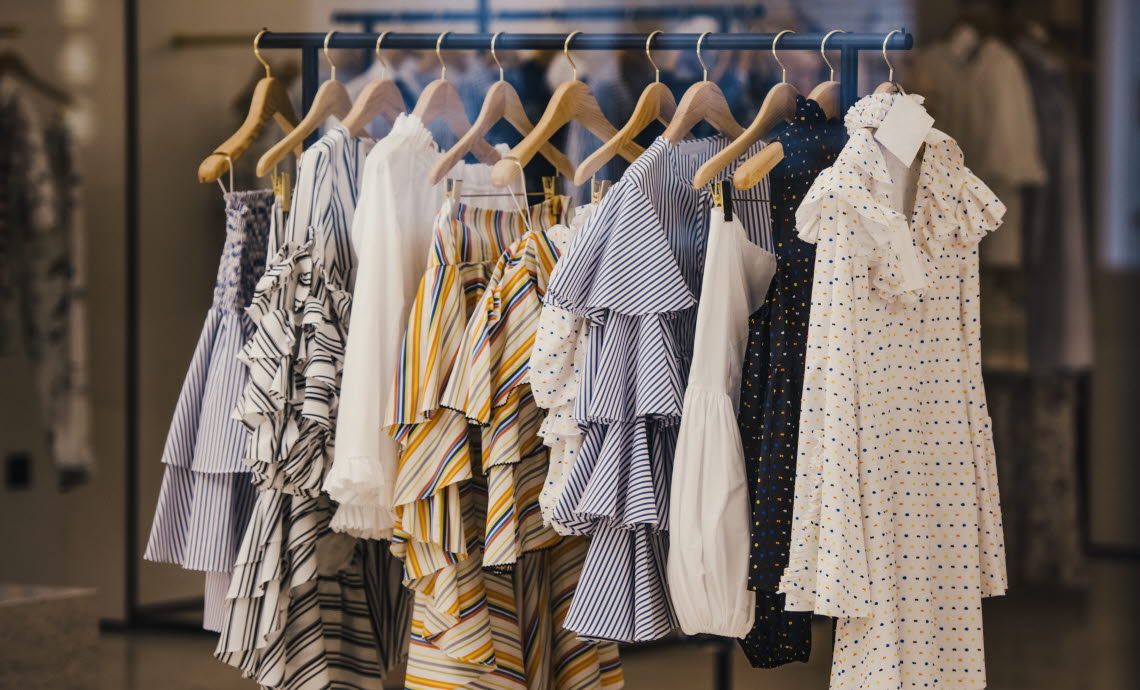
896,526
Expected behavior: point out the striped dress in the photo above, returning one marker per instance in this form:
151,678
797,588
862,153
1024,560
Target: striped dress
491,383
207,492
307,607
635,272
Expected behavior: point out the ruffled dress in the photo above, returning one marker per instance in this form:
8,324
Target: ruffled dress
896,526
556,361
207,492
490,382
470,626
307,607
771,384
634,271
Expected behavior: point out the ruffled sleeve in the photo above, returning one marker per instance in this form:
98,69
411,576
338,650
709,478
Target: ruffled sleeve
979,211
620,262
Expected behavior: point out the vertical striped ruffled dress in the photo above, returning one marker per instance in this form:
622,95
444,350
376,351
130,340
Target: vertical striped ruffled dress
207,491
307,607
634,271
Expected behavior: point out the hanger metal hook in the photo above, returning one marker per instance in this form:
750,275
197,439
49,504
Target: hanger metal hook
823,52
566,52
379,57
332,64
891,76
496,57
439,55
656,69
700,59
257,50
783,70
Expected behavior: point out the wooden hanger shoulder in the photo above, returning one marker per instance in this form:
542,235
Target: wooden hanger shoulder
703,101
656,103
752,171
778,106
331,99
380,98
572,100
826,95
440,101
502,102
270,101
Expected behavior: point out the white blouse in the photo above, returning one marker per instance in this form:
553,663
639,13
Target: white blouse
391,235
896,527
708,515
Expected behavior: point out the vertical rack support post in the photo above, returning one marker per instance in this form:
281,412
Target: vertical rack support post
848,77
310,77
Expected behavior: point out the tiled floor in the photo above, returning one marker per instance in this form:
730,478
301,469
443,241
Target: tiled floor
1035,640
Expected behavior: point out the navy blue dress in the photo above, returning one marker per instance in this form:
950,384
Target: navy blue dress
771,385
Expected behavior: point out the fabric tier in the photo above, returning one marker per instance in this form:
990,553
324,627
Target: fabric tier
206,497
707,569
634,272
926,463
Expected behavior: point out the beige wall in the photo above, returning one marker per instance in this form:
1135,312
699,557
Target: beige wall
76,537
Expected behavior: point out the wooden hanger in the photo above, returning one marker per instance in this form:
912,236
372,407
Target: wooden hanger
703,101
440,101
332,99
826,95
656,103
501,103
270,102
380,98
890,85
778,106
572,100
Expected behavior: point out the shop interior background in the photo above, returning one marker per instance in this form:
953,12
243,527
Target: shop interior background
1077,631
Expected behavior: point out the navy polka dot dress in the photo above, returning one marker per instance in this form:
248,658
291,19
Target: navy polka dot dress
771,384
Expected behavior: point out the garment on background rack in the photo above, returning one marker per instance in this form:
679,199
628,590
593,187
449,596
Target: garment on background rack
42,288
307,607
708,502
896,525
634,271
207,493
771,384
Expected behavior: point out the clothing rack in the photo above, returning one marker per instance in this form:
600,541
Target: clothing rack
849,46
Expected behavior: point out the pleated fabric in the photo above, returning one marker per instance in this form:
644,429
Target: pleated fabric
634,271
307,607
207,493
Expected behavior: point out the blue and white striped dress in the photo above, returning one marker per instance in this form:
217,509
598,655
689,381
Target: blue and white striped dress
207,494
308,608
635,272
